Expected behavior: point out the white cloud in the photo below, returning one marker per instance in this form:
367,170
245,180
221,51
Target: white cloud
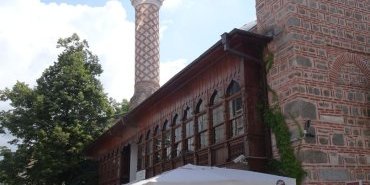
171,4
170,68
30,30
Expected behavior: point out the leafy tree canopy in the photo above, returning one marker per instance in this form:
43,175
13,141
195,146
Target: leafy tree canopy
55,120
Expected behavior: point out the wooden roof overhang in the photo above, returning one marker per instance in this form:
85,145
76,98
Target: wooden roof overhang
126,128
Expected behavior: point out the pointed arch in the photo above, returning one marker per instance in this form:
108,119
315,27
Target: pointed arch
235,104
186,113
214,96
147,136
140,139
175,120
199,107
156,130
233,88
165,125
166,139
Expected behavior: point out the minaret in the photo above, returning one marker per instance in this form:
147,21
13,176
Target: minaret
146,49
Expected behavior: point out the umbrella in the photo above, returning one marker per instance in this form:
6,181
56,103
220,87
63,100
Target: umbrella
205,175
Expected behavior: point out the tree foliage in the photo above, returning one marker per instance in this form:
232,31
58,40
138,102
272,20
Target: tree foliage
55,120
120,108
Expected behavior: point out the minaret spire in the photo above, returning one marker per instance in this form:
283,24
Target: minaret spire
146,49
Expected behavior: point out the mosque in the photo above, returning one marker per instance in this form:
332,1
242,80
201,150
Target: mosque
208,114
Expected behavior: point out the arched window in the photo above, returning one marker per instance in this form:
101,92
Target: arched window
177,129
202,123
189,130
235,109
218,118
200,106
148,150
215,98
157,139
166,130
140,153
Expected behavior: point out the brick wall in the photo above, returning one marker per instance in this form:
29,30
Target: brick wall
321,73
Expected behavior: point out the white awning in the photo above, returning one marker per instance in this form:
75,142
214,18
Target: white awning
205,175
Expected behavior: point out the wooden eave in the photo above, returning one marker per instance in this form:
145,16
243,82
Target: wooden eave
128,121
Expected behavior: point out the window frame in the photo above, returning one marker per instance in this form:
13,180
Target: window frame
176,144
148,150
235,120
157,146
188,133
201,118
166,147
216,102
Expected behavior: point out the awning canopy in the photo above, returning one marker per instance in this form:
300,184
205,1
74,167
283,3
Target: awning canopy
204,175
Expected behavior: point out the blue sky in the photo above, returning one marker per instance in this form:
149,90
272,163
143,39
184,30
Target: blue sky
192,26
30,29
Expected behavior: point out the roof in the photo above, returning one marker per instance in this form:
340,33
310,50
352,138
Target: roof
163,90
128,120
249,26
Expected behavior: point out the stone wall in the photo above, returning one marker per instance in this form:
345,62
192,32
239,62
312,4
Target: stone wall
321,73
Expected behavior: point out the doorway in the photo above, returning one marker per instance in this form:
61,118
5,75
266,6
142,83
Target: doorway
125,164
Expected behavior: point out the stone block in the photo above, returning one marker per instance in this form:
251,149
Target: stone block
313,156
334,158
338,93
358,16
360,38
334,174
362,160
293,21
300,108
367,133
360,176
359,97
360,144
356,132
345,110
303,61
332,119
326,93
350,160
338,139
323,141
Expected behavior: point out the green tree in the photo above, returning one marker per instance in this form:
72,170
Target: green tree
54,121
120,108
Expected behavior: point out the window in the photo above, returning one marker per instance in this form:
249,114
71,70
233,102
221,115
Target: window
202,122
235,109
218,118
167,140
189,134
157,140
189,130
177,130
178,134
148,150
140,154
